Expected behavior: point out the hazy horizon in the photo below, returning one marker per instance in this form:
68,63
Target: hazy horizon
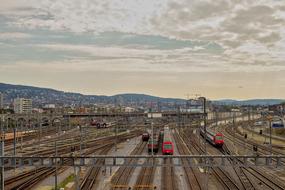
224,49
185,97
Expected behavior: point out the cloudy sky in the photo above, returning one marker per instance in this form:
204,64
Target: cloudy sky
219,49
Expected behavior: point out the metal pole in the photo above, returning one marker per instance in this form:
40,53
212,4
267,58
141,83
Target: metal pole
41,130
69,122
80,147
55,176
205,130
234,129
270,131
76,178
152,136
216,114
205,124
56,154
22,136
2,153
116,131
14,141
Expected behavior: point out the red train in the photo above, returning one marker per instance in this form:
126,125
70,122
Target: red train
215,138
167,144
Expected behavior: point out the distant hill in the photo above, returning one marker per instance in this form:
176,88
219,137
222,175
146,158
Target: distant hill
252,102
42,96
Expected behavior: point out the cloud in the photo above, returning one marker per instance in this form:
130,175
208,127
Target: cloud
246,35
92,15
14,35
87,58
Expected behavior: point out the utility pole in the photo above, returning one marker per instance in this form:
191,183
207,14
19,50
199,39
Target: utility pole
55,176
2,152
216,114
270,133
14,144
69,122
80,147
205,122
234,129
151,123
22,136
205,135
55,146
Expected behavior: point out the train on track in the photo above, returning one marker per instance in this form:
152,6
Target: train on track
145,136
167,144
101,124
153,143
215,138
278,124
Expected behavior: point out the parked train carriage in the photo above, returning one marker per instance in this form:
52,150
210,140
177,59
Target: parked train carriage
101,124
152,144
167,145
215,138
145,136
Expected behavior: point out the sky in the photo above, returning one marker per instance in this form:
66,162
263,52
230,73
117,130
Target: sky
168,48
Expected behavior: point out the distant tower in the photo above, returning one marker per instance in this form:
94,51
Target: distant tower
159,106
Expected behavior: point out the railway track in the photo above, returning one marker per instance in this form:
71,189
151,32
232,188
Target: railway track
249,175
225,179
263,149
122,176
169,181
89,179
191,173
145,178
221,175
33,177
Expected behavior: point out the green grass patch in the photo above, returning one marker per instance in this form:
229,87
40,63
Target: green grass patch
65,182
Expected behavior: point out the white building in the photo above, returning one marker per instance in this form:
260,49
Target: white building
49,106
22,105
1,100
129,109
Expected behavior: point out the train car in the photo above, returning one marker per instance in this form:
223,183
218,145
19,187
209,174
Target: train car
215,138
101,124
167,144
95,123
145,136
277,124
152,144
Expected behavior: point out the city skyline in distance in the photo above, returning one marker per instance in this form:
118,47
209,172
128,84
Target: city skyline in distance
163,48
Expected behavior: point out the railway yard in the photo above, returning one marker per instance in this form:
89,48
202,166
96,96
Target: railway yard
153,161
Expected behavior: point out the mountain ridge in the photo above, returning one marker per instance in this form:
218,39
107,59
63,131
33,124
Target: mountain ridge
42,95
